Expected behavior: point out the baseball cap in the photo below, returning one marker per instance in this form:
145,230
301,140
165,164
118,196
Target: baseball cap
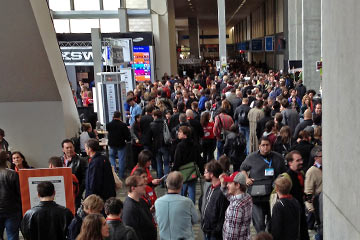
236,177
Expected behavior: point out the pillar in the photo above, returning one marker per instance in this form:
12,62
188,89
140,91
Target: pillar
341,165
193,24
222,31
291,20
311,42
123,20
36,104
163,24
298,27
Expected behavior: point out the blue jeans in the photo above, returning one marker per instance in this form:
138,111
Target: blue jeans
11,222
121,154
220,148
246,132
189,188
162,159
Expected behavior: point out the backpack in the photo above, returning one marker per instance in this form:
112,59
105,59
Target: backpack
243,117
238,145
166,134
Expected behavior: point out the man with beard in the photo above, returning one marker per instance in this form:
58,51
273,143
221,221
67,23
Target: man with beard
214,203
261,168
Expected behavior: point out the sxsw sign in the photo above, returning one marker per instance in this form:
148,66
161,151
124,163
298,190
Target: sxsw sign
82,56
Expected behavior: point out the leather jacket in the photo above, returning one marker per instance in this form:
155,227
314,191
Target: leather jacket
10,201
78,167
48,220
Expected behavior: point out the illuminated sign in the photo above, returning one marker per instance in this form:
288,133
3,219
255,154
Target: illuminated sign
141,65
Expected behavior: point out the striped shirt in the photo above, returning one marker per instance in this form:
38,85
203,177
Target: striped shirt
237,217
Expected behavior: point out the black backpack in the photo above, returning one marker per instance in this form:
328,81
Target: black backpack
243,117
238,145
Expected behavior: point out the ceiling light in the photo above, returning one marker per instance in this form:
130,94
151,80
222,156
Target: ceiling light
190,4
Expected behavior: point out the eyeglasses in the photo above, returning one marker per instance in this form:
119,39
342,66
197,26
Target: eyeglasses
319,156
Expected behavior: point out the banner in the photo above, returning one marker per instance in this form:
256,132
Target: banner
60,177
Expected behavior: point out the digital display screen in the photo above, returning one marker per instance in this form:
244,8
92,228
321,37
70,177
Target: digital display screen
141,64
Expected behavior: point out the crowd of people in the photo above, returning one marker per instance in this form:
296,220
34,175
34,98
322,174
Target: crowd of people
265,129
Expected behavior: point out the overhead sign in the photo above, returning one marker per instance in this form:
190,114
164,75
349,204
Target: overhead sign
256,45
269,43
82,56
189,61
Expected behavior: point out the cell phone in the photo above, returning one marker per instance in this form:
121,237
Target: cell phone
164,177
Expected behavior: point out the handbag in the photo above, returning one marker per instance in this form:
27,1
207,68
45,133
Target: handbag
260,190
189,171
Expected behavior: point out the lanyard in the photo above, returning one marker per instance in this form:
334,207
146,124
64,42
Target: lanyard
269,163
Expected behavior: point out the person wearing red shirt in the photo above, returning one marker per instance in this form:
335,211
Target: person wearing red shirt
208,140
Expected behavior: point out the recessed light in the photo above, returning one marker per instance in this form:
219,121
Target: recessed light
190,4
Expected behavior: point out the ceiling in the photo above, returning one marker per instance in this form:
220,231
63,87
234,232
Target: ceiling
206,10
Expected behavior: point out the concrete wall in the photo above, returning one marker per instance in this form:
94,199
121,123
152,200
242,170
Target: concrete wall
34,128
37,107
340,47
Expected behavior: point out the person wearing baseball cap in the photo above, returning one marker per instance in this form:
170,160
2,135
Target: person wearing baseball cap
239,212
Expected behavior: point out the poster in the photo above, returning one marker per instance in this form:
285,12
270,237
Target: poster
60,177
59,185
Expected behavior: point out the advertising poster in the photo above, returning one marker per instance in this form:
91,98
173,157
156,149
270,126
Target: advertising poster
141,65
60,177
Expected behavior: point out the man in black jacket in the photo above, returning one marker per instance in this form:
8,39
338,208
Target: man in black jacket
10,202
119,133
48,220
77,164
241,118
215,204
118,230
160,149
145,127
99,178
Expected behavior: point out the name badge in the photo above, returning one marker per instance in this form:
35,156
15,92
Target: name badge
269,172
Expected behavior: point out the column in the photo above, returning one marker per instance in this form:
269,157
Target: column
248,36
36,104
222,31
311,43
291,21
163,24
193,24
123,20
298,27
340,48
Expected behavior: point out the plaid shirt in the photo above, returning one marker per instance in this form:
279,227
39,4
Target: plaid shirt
237,217
222,122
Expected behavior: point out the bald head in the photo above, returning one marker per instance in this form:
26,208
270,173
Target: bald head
307,114
174,181
189,114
